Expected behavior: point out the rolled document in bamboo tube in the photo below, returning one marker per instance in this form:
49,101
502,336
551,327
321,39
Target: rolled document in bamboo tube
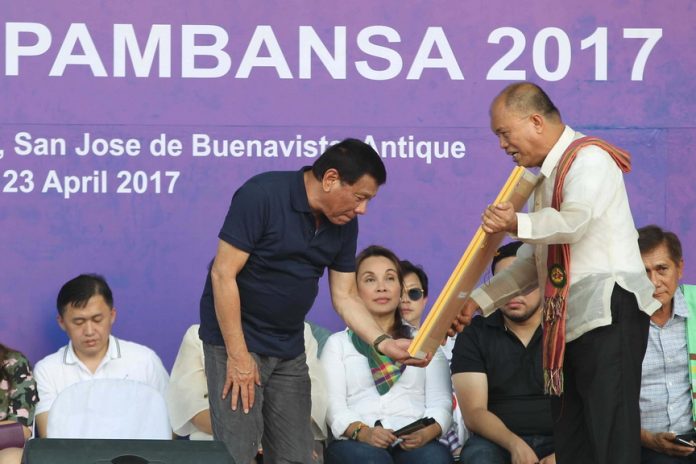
472,265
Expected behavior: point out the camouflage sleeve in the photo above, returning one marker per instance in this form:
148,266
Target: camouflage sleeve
22,393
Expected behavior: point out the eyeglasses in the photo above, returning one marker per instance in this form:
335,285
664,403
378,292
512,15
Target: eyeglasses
414,294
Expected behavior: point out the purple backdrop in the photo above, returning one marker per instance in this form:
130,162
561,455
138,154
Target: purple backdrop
296,73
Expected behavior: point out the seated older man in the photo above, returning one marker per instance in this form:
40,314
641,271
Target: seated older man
666,406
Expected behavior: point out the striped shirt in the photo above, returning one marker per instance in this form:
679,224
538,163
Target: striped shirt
665,390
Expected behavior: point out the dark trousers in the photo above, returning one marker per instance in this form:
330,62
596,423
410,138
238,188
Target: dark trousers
478,450
355,452
281,414
597,419
649,456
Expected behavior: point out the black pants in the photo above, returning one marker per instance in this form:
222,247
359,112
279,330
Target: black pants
653,457
597,419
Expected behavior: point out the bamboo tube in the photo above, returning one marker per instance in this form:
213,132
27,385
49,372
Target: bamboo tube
471,266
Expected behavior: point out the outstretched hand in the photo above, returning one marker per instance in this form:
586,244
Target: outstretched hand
464,317
397,349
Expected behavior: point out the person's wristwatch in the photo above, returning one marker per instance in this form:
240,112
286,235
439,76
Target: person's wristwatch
379,340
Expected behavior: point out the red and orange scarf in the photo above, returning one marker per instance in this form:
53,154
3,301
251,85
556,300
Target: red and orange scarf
558,279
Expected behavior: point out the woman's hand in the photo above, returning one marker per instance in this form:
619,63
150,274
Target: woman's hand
377,436
420,437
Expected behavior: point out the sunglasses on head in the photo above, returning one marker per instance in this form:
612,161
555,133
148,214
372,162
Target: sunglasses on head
414,294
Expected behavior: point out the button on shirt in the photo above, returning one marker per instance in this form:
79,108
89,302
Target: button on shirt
595,219
665,390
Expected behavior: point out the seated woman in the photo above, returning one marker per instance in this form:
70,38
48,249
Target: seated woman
371,396
18,399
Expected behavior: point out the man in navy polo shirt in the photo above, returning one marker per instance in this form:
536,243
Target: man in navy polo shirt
281,231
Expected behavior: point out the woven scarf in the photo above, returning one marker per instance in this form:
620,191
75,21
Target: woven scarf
689,292
385,371
558,279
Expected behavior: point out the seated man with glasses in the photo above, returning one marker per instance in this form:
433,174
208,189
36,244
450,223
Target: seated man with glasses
498,379
415,294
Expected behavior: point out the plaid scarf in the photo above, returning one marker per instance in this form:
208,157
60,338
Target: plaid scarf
385,372
558,280
689,292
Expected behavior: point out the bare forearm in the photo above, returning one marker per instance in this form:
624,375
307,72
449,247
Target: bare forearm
645,438
489,426
352,427
41,423
228,312
202,422
432,431
353,312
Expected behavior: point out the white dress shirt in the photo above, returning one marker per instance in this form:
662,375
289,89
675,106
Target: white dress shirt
123,360
595,219
419,392
188,387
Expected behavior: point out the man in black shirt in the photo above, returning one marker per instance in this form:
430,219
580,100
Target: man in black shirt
497,376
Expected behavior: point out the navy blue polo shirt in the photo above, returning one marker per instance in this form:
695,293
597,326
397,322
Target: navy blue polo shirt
514,372
270,218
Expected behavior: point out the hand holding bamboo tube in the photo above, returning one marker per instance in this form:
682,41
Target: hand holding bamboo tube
453,308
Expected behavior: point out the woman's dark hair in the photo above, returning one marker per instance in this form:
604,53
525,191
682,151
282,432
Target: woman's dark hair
400,330
4,374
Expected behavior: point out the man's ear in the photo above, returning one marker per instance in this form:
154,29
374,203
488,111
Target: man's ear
61,322
680,268
113,315
539,123
329,179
